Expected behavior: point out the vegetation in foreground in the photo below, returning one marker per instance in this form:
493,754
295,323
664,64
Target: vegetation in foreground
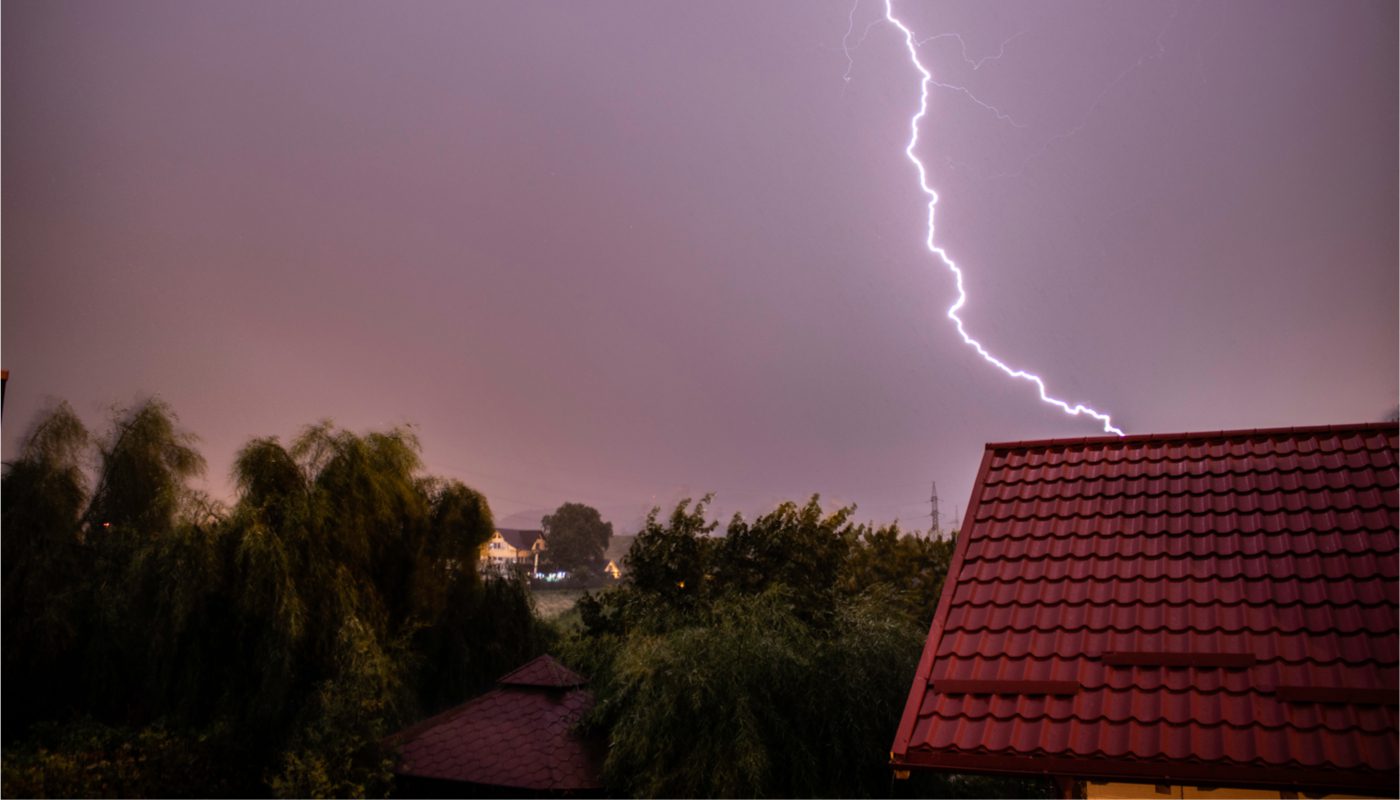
771,662
159,644
156,643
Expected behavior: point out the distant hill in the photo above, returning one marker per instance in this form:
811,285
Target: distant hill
622,517
529,520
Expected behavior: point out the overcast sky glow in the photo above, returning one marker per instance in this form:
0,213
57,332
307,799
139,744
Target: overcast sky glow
625,252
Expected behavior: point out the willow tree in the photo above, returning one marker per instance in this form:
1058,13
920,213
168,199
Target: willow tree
107,575
340,526
336,598
751,699
146,463
354,584
786,647
151,573
44,496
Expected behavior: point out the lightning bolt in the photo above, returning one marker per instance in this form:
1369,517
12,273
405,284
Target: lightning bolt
976,64
1159,50
1075,410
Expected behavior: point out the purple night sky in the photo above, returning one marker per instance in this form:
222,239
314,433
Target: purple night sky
626,252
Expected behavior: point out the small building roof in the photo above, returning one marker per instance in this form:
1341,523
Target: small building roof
520,538
543,672
1212,608
519,735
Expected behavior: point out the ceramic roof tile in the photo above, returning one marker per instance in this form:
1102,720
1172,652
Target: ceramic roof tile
1274,552
519,735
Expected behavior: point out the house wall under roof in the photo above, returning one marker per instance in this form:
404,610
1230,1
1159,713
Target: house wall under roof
1097,790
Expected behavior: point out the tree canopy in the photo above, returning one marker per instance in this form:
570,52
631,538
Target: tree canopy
771,661
282,636
159,643
576,537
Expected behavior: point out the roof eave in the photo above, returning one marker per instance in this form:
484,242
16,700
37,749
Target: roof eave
1171,772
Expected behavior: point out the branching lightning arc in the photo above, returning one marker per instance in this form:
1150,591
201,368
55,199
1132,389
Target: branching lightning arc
1073,410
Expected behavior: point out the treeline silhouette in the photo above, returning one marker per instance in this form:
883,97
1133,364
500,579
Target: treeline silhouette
771,661
159,643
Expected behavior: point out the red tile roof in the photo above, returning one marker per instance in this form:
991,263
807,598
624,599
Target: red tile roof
518,735
1190,608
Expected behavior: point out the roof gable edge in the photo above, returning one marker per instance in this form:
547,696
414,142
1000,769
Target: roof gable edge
940,615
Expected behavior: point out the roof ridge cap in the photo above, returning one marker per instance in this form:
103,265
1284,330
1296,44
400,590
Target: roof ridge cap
1192,435
563,677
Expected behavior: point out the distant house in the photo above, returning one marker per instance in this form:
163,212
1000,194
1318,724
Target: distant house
616,552
1192,615
517,740
511,547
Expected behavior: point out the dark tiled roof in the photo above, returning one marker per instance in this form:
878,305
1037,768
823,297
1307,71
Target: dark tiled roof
518,735
520,538
1210,608
543,672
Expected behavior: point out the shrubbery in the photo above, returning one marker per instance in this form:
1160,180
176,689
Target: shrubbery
87,759
773,661
335,600
159,644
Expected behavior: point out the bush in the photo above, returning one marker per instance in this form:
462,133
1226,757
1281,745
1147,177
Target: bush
774,661
336,600
87,759
751,700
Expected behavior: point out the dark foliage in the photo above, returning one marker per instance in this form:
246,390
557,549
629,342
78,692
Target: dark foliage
158,644
773,661
577,537
87,759
909,569
337,599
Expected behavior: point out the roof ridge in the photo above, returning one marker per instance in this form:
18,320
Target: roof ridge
1173,578
1191,476
1110,627
1216,557
1100,753
1126,513
1187,602
1106,686
1096,533
543,671
1195,435
1274,659
1160,719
